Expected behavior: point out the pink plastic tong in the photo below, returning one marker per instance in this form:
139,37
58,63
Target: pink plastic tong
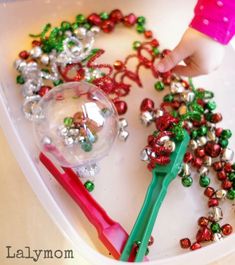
111,233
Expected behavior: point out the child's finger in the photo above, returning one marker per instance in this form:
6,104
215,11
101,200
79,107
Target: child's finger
186,71
172,59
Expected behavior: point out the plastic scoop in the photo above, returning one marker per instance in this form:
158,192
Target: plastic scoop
111,233
162,175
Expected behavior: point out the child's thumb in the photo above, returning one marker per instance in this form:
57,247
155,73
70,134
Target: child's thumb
171,60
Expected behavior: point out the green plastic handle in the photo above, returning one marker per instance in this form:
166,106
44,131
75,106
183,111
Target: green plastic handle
162,177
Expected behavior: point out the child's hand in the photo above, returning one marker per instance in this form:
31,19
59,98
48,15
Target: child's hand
200,53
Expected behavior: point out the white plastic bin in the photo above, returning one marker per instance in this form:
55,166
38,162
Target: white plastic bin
122,182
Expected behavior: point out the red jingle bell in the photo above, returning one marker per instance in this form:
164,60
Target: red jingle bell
212,149
185,243
94,19
221,175
209,192
43,90
188,157
203,234
121,106
24,55
217,166
147,105
226,184
216,117
195,246
213,202
107,26
203,221
227,229
116,15
129,20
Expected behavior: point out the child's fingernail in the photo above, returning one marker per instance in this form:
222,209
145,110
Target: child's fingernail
160,67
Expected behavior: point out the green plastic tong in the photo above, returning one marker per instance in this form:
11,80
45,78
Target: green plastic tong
162,175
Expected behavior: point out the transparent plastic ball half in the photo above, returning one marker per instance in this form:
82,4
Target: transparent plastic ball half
78,124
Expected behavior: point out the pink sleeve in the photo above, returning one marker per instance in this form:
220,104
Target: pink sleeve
216,19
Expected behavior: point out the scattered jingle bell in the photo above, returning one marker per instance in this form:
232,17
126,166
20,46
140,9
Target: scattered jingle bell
121,107
88,172
217,166
203,234
183,109
118,65
20,65
144,155
116,15
227,155
209,192
185,170
212,149
193,144
69,141
188,157
195,246
36,52
213,202
211,136
207,161
203,171
203,221
202,141
151,241
147,105
215,214
24,55
176,87
123,135
129,20
170,145
45,59
95,30
217,237
158,113
227,229
187,96
46,140
122,123
146,118
185,243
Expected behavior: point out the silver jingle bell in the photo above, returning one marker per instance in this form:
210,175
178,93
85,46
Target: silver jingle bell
45,59
203,171
144,155
146,118
227,155
46,140
187,96
215,214
31,110
170,145
20,65
158,113
88,171
221,194
36,52
217,237
68,141
193,144
202,141
176,87
123,135
207,161
122,123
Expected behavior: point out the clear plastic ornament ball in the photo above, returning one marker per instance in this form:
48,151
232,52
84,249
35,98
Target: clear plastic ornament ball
78,124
